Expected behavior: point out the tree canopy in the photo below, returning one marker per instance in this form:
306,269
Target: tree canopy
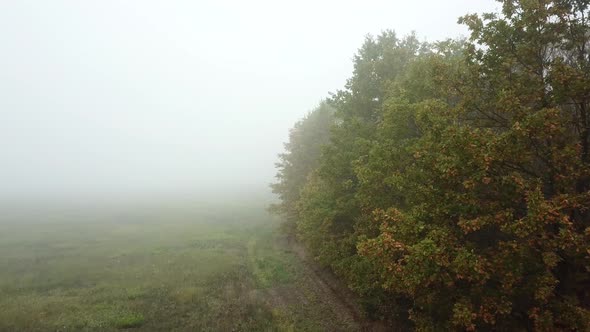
453,189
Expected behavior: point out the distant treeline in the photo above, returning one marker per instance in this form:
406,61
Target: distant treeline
448,183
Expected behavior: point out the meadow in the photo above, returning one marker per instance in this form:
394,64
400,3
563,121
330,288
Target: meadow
205,268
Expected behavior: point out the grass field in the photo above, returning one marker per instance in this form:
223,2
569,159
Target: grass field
205,269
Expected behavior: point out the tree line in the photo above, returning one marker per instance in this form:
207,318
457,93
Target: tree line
448,183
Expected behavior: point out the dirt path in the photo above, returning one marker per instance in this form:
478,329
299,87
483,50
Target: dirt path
316,295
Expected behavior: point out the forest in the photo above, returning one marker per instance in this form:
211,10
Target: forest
447,183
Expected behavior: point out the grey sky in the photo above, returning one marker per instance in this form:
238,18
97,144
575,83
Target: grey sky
122,97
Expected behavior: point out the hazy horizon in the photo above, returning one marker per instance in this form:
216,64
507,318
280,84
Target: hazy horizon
118,100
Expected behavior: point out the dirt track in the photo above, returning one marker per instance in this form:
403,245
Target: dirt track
317,292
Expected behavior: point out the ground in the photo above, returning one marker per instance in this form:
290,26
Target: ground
199,269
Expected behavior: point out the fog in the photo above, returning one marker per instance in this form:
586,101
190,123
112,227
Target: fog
115,100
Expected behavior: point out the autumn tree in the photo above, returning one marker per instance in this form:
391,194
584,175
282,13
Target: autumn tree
454,188
494,232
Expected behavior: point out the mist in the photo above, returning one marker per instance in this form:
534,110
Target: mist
123,100
225,165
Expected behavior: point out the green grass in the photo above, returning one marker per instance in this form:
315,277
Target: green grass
213,269
269,267
129,320
156,272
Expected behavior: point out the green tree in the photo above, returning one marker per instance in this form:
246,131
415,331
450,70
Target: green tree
331,213
301,157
